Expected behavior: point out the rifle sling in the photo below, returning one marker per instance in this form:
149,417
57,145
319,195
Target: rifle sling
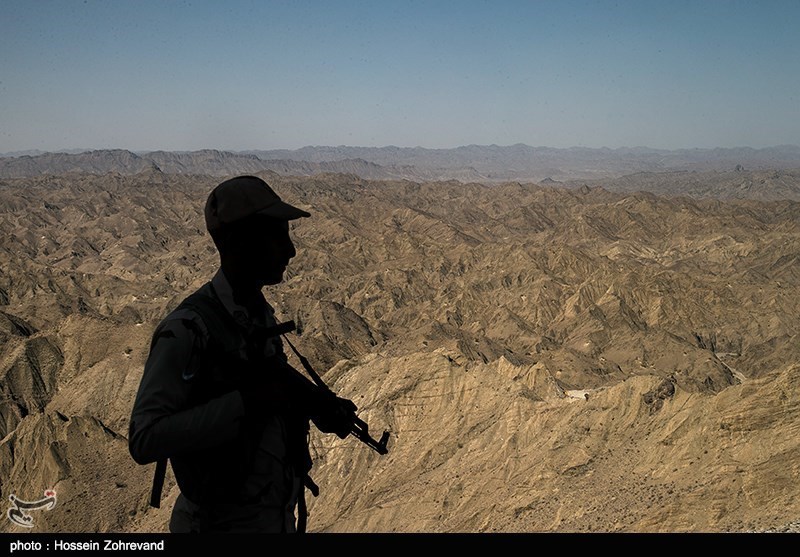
158,483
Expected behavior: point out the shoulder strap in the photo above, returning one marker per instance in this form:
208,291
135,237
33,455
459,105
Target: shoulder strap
219,322
158,483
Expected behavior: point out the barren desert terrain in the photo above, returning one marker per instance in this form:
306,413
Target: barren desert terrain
547,358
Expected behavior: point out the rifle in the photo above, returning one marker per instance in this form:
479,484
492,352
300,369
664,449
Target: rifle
360,428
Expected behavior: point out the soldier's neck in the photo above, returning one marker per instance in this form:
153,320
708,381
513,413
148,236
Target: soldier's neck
244,287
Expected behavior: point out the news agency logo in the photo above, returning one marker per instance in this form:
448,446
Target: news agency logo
18,515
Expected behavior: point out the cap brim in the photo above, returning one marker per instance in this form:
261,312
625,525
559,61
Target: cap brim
284,211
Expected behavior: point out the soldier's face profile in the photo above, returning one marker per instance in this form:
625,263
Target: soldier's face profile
266,248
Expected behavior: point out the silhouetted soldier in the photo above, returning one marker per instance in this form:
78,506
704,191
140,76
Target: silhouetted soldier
215,398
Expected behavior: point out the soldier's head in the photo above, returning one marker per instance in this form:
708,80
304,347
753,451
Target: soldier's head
249,224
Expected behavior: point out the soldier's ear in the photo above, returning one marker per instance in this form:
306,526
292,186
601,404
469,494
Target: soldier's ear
218,237
230,242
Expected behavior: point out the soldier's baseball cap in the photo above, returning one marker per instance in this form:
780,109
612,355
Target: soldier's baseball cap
242,197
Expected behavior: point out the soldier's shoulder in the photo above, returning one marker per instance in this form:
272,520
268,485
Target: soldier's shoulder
186,314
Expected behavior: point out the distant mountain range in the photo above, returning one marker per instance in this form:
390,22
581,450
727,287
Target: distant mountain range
472,163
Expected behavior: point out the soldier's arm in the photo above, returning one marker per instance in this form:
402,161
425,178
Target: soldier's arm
162,423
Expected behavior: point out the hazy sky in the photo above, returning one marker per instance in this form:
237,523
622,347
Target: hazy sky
259,75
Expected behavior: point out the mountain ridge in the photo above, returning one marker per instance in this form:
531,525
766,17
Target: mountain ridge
472,163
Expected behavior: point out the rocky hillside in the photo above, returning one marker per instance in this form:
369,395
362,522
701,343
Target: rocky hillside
547,359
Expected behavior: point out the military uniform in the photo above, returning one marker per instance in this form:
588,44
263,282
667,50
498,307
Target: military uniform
236,472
